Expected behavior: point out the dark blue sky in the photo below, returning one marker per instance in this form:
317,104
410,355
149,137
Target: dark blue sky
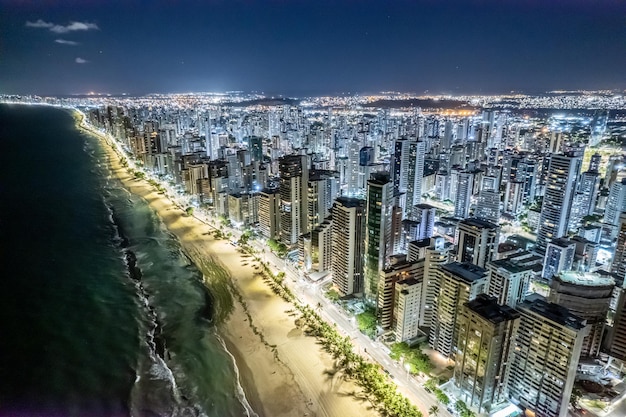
300,47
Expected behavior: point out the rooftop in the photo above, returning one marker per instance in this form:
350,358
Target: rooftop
424,206
561,242
519,262
350,202
488,308
409,282
483,224
554,312
589,279
466,271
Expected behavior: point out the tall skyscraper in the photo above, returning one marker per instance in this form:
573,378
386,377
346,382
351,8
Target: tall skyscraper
509,278
425,214
588,296
458,284
407,308
586,197
616,202
618,265
415,174
399,270
323,188
513,198
437,254
481,364
408,170
488,206
559,195
348,235
378,229
464,188
293,197
399,165
320,248
616,340
478,241
269,213
560,254
544,357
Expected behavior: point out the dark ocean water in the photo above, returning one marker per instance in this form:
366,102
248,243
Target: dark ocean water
101,314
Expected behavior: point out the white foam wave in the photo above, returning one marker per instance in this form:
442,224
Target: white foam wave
241,395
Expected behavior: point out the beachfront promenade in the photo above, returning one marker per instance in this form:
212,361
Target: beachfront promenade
311,293
310,378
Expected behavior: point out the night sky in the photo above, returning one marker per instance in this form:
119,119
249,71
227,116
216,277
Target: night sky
297,47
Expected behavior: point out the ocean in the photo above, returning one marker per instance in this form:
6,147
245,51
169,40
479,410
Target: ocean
101,313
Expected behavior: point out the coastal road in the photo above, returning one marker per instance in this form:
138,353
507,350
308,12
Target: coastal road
408,385
311,293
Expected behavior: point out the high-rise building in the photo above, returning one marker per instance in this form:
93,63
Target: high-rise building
415,174
435,255
544,357
478,241
458,284
588,296
616,202
255,146
586,197
560,254
408,169
317,249
293,197
378,231
399,165
616,340
399,270
323,189
526,174
618,265
513,198
407,308
559,194
488,205
348,236
509,278
481,364
425,214
464,188
243,209
269,213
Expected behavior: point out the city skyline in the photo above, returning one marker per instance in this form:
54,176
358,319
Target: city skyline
309,48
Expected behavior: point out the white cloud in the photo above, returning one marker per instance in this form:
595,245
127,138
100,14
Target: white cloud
71,27
39,24
66,42
79,60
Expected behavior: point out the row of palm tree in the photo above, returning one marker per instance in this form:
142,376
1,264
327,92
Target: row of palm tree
369,376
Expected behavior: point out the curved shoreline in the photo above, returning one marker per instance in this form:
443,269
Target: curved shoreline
283,372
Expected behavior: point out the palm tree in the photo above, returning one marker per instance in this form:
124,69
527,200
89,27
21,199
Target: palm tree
433,411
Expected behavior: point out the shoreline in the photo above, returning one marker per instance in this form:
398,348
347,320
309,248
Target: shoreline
282,371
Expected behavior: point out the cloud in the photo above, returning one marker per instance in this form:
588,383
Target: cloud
39,24
80,60
71,27
66,42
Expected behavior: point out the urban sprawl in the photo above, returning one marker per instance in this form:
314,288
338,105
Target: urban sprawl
489,231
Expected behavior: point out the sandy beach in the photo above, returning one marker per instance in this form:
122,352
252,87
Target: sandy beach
283,372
